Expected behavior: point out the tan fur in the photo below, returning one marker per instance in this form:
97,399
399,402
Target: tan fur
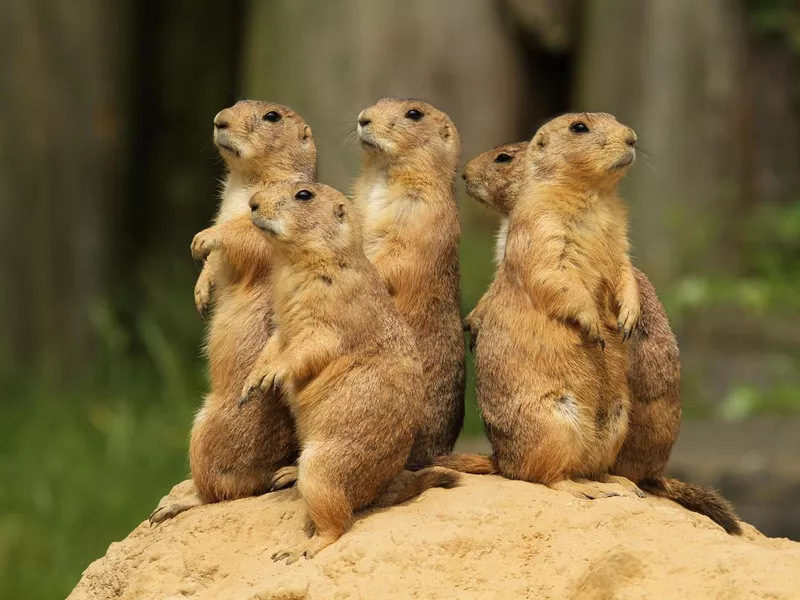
352,383
406,197
234,453
494,178
548,353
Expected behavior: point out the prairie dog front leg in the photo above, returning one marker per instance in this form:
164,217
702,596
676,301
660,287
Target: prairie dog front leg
627,298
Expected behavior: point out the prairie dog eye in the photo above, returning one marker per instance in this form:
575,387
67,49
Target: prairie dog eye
579,127
304,195
272,116
414,114
503,158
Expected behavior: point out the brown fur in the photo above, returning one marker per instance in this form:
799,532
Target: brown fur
406,196
352,383
494,178
234,453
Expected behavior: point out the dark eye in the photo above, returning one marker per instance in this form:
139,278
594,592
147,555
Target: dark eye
304,195
503,157
414,114
272,116
579,127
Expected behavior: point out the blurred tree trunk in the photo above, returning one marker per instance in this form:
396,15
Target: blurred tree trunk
60,133
106,160
772,116
665,66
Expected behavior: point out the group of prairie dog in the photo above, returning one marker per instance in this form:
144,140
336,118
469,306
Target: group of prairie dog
335,344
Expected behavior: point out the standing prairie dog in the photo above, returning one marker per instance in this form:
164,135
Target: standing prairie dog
406,197
235,453
495,178
343,360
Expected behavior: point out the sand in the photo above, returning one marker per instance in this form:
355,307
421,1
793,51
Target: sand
488,538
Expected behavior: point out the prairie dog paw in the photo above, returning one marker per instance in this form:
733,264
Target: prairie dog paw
203,244
628,318
268,379
471,324
202,293
591,329
283,478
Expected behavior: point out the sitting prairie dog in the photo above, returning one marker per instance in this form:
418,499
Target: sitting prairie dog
495,178
235,453
342,359
550,364
406,196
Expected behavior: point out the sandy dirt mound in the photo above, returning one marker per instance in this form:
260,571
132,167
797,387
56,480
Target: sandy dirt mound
488,538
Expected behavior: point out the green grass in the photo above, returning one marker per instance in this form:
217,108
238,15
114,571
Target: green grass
82,468
83,464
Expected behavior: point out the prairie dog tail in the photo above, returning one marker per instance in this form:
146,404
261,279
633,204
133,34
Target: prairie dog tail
475,464
409,484
703,500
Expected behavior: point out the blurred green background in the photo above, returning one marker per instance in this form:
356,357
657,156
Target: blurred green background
107,169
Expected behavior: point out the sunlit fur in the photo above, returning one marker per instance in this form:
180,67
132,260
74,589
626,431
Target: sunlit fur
406,198
235,452
344,361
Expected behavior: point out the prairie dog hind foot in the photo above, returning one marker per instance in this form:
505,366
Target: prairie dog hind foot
594,490
283,478
168,511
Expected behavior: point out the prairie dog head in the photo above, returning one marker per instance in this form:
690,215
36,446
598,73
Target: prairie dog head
313,219
495,177
409,130
255,136
592,149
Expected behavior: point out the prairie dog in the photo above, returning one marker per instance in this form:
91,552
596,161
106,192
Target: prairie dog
235,453
342,359
494,178
406,197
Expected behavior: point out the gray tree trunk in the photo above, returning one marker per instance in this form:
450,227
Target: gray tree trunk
59,139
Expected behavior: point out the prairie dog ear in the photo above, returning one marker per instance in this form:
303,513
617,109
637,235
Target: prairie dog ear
306,135
447,131
540,140
340,211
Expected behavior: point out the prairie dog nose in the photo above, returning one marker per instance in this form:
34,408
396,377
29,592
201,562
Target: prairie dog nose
363,118
222,120
254,203
631,139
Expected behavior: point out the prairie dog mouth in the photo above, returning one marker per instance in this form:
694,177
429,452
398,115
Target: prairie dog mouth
477,190
271,226
224,144
366,139
625,161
